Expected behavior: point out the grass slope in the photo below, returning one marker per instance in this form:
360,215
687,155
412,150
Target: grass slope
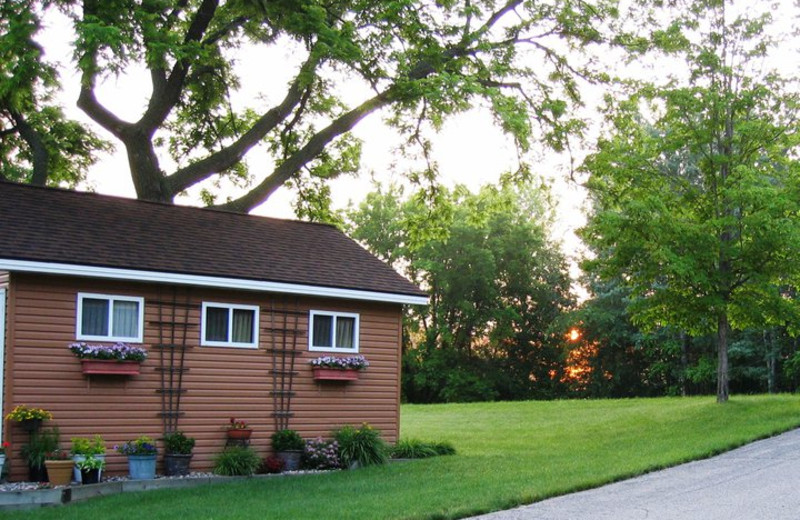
509,454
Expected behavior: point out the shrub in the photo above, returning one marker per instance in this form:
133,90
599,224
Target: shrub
236,461
287,440
178,443
321,454
361,445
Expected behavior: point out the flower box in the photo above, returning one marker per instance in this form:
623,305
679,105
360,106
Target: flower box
110,366
240,433
333,374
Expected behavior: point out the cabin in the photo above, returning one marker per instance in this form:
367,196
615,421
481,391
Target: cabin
230,308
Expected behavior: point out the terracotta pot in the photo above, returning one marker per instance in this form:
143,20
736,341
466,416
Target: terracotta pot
59,472
240,433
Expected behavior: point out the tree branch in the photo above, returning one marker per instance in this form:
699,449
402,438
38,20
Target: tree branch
39,155
230,155
307,153
100,114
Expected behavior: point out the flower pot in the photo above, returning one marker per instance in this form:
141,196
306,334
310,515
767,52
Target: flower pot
90,476
290,458
2,463
142,467
176,464
37,473
240,433
110,367
334,374
76,475
59,472
31,425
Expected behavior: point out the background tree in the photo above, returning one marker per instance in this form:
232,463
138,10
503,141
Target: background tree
696,198
38,144
497,283
350,58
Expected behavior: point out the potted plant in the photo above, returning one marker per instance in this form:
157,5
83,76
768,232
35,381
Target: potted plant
335,368
59,467
35,452
141,453
84,447
116,359
3,449
29,418
90,468
238,429
177,453
288,446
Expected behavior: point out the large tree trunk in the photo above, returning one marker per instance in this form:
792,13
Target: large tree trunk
722,358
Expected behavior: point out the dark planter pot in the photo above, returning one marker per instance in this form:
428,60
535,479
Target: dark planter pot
37,473
90,476
176,464
290,458
31,425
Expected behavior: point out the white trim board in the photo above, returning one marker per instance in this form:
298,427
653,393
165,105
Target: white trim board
207,281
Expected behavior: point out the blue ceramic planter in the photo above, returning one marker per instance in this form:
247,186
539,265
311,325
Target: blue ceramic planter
142,467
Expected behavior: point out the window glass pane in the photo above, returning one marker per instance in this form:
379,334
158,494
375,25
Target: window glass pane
126,319
323,327
243,325
345,332
94,317
216,324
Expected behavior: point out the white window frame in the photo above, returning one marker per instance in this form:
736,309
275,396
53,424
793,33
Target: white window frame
230,307
335,316
111,298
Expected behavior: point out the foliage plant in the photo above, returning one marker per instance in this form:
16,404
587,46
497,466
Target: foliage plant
340,363
361,445
236,424
236,461
41,443
24,413
4,446
142,445
417,449
178,443
90,463
85,446
321,454
287,440
117,352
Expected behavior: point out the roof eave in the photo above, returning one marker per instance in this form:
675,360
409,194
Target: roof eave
134,275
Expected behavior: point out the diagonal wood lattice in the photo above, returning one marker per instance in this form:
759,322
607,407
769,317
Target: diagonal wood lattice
173,325
283,332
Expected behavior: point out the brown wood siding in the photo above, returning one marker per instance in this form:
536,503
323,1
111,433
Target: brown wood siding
221,382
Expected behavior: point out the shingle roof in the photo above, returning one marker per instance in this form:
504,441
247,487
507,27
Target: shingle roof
67,227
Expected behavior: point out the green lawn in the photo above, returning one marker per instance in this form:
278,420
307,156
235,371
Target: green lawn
509,454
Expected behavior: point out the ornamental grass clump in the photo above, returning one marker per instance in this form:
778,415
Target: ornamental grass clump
116,352
361,446
321,454
417,449
340,363
236,461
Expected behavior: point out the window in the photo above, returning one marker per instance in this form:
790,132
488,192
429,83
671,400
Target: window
229,325
103,317
333,331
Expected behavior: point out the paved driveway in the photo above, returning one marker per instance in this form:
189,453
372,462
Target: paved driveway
758,481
